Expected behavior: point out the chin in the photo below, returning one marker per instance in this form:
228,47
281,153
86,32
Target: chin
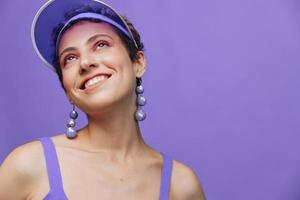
104,98
104,103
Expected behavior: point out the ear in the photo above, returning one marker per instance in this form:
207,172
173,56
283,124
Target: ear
140,64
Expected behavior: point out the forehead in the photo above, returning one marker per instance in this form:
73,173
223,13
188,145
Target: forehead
84,29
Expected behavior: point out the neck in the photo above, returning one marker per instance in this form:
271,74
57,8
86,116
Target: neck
117,134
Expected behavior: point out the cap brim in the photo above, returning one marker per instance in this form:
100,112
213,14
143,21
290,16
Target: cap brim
52,14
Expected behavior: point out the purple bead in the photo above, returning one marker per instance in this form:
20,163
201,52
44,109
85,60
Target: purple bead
139,89
73,114
141,100
71,123
140,115
71,133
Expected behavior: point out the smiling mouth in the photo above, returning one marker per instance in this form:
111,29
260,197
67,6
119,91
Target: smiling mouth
96,80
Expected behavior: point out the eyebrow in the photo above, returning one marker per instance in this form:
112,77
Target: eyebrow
93,38
66,50
90,40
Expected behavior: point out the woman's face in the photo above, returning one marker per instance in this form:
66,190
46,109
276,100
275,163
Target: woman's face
96,67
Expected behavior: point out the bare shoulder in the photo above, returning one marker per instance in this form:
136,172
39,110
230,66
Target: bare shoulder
24,159
20,169
185,185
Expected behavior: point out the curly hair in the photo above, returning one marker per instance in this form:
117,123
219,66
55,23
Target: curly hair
132,50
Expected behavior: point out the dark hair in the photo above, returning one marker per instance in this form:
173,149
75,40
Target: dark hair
129,44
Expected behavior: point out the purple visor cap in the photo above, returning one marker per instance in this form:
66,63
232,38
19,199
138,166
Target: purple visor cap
53,13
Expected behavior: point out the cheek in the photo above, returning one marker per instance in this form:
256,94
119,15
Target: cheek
120,63
117,59
68,80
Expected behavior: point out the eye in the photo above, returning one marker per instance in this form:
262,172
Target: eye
68,59
102,44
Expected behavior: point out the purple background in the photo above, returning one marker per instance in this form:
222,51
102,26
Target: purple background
223,86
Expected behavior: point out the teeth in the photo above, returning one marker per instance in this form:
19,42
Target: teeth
95,80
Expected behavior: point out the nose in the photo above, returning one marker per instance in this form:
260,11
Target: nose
87,63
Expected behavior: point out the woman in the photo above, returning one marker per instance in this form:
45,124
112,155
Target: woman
99,59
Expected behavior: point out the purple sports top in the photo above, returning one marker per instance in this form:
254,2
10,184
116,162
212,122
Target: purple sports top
55,181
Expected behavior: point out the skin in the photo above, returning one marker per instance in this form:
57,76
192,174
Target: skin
109,151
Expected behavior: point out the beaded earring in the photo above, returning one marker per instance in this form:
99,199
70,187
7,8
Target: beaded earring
71,132
140,114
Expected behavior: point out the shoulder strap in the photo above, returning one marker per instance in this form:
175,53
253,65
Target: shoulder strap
165,177
52,164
